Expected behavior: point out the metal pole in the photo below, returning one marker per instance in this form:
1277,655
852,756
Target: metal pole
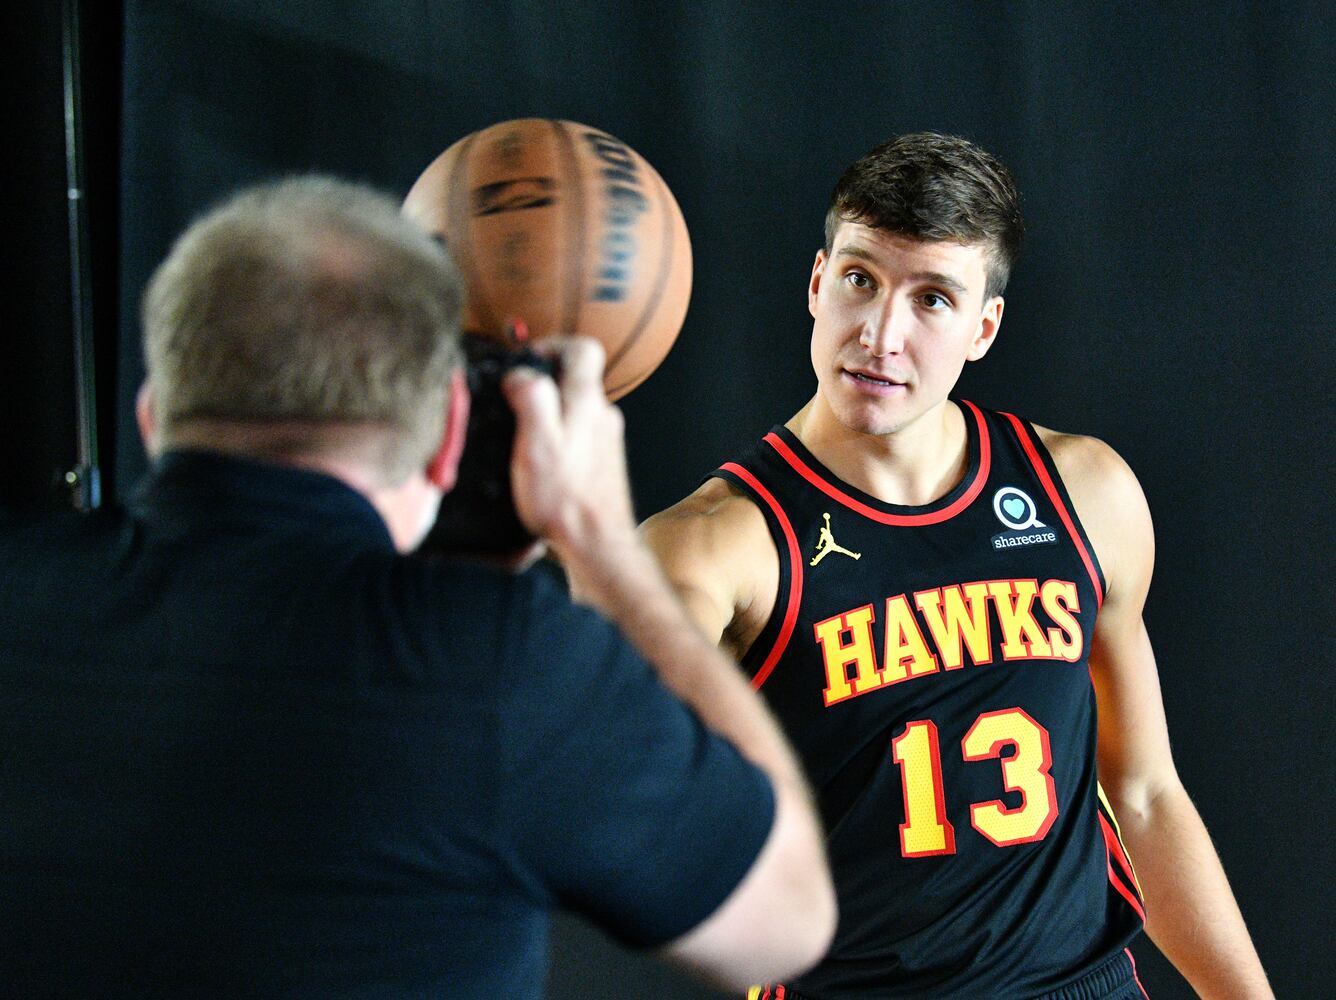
84,479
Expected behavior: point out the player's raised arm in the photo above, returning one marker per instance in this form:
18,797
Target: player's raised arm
717,554
1191,914
571,489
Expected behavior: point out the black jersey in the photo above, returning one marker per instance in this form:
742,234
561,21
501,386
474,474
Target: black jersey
930,664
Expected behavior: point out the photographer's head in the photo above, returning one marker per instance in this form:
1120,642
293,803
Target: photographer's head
307,321
309,318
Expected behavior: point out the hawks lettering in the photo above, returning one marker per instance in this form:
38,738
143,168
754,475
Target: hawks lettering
991,619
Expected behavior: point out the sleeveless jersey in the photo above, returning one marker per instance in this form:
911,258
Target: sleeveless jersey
930,665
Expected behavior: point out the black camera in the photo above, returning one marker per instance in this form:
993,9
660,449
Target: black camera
478,516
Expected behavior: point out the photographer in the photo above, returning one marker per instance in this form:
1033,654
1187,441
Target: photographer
253,749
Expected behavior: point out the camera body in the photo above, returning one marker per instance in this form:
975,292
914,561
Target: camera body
478,516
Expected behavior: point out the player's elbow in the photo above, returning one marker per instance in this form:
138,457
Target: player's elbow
1137,798
780,920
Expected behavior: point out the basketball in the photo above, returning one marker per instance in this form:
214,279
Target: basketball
568,229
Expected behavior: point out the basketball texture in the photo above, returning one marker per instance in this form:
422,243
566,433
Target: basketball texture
568,229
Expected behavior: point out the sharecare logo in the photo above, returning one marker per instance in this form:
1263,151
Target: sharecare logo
1017,511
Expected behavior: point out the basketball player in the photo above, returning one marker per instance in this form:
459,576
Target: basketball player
940,603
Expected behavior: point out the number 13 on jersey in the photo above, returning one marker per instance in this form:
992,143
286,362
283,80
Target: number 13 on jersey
926,831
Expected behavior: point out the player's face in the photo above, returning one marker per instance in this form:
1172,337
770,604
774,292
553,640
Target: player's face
895,321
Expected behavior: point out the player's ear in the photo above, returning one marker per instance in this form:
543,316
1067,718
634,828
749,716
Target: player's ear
989,322
443,467
814,283
148,425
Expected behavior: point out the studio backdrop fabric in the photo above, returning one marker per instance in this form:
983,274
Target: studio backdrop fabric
1173,294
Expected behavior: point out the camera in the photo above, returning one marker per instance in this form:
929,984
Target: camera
478,516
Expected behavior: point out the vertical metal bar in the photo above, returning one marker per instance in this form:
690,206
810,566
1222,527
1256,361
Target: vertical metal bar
85,479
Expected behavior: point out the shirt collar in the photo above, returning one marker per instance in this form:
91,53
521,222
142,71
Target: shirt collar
188,486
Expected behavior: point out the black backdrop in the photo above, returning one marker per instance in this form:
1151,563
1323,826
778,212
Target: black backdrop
1173,297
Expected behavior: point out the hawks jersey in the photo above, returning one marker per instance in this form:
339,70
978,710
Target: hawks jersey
930,665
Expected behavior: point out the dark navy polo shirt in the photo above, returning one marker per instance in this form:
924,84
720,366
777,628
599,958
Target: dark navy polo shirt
248,749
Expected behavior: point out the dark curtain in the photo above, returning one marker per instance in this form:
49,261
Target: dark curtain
1172,296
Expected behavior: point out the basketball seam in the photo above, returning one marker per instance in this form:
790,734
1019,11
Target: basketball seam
575,226
660,281
459,223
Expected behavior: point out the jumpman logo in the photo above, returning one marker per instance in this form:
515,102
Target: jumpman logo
826,544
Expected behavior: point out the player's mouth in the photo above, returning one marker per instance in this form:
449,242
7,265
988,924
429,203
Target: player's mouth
871,381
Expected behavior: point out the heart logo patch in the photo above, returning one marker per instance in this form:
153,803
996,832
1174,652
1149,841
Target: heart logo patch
1015,509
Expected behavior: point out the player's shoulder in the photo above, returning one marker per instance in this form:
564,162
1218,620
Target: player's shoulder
1108,499
1088,464
716,532
716,511
716,550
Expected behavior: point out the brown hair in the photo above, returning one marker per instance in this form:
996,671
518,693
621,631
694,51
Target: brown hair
306,303
934,187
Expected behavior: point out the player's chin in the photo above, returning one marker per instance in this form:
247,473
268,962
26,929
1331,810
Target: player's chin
874,417
873,424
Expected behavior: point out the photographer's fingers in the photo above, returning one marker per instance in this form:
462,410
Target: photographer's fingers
569,467
579,363
536,401
582,361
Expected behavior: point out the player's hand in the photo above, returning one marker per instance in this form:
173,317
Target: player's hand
568,468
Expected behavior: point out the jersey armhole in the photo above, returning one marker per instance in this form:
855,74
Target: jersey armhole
1049,477
760,660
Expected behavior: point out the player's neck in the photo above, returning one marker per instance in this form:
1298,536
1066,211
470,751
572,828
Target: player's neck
911,466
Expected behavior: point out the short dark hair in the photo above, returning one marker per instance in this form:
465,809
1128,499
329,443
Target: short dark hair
934,187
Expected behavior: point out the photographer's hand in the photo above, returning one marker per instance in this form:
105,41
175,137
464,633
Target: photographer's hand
568,468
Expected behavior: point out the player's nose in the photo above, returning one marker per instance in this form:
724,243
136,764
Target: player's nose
884,329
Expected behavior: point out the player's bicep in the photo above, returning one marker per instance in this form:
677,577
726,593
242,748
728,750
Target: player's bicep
709,609
1134,756
699,553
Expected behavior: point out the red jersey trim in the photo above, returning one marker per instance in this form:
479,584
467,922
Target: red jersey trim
795,574
1047,481
1135,977
881,516
1118,852
1111,838
1126,893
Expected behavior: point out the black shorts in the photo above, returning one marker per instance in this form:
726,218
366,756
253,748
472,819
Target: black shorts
1116,979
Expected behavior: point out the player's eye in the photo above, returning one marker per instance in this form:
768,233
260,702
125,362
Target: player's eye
858,279
935,302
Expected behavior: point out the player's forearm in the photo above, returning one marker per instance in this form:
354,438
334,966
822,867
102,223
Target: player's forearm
1191,914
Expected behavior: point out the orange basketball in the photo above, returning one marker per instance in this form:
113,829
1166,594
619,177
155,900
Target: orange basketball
568,229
